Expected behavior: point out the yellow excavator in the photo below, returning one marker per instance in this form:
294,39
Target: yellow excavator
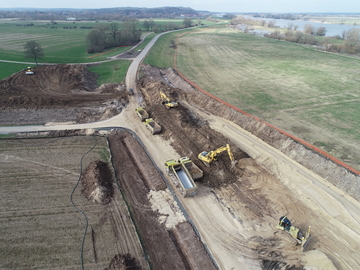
209,157
167,102
300,238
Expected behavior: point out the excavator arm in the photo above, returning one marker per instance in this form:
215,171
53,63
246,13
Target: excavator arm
208,157
166,101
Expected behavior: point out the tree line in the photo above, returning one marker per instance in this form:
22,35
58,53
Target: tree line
111,35
104,13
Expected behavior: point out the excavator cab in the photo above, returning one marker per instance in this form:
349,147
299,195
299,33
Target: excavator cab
167,102
208,157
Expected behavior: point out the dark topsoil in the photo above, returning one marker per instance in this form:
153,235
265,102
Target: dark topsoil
58,93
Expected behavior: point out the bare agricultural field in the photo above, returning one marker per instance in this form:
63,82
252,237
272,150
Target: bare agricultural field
40,229
306,92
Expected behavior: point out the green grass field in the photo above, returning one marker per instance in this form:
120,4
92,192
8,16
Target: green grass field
111,72
62,45
309,93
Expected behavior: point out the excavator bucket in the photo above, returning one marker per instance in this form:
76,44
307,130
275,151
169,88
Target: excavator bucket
233,164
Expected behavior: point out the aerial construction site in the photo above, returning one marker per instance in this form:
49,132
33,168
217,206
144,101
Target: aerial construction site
175,180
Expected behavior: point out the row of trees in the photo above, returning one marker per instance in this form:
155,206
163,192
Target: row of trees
351,44
104,13
111,35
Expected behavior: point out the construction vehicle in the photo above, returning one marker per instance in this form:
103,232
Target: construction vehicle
152,126
142,113
167,102
131,91
181,177
195,172
29,71
209,157
297,235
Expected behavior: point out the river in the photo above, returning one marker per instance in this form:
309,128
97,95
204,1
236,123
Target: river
331,29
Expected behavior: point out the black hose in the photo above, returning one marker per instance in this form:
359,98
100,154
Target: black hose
82,212
72,193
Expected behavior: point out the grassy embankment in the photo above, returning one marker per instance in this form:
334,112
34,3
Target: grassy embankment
306,92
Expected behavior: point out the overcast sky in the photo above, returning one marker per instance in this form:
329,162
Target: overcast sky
209,5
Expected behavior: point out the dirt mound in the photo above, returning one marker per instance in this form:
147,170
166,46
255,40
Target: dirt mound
188,134
58,93
97,182
55,86
52,79
123,262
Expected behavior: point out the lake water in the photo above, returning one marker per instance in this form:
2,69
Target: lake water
331,29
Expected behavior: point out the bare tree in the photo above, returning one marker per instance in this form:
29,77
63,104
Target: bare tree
343,34
326,43
321,31
352,37
271,23
32,49
187,22
288,32
298,36
308,29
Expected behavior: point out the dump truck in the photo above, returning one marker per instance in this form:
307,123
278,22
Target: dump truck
142,113
195,172
152,126
182,177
